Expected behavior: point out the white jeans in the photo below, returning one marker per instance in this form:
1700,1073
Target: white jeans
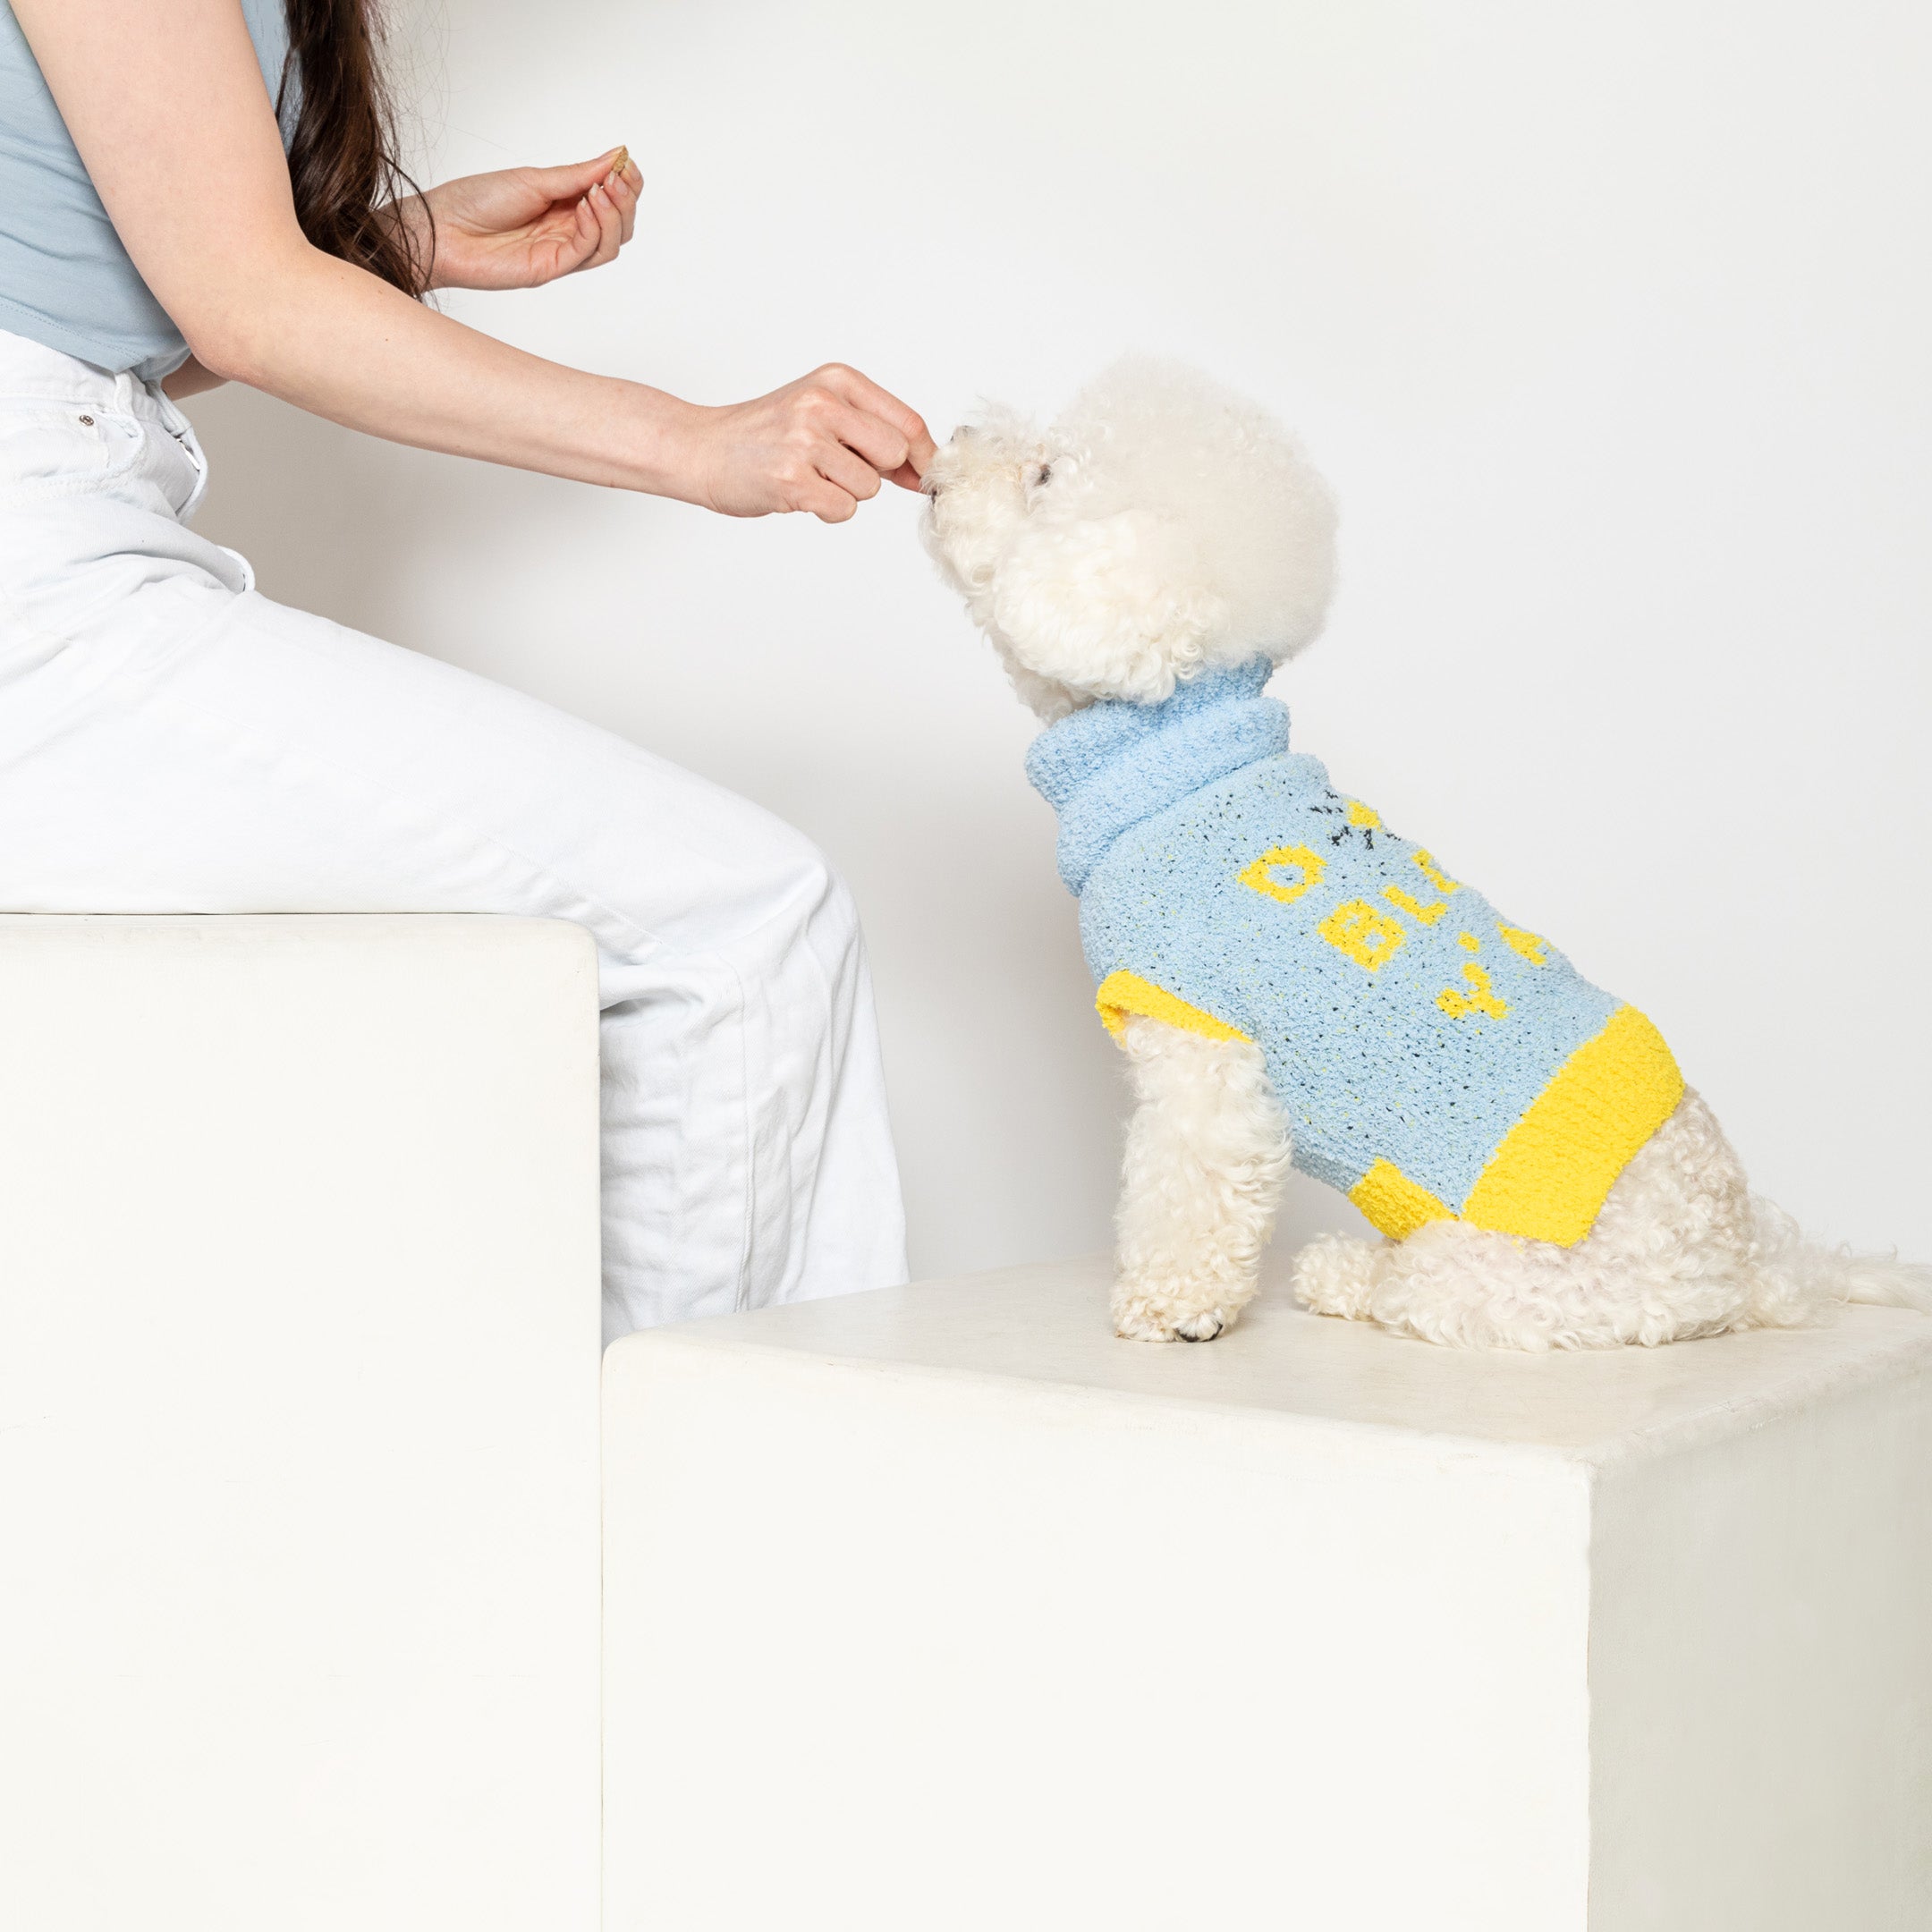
172,742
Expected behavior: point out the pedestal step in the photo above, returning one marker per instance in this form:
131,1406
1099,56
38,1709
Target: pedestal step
298,1424
940,1607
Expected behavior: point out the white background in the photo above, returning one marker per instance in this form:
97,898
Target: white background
1611,327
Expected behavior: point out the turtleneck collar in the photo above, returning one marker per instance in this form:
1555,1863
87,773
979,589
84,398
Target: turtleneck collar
1106,768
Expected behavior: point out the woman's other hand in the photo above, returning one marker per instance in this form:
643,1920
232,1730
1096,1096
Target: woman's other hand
521,227
823,444
168,111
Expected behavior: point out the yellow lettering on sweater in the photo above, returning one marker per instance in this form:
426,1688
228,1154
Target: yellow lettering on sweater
1436,876
1367,936
1259,876
1526,944
1426,914
1482,1000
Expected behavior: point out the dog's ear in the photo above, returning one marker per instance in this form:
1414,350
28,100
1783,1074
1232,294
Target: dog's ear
1112,606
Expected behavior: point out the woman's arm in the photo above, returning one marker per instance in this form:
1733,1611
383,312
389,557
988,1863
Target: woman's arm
193,378
515,229
166,104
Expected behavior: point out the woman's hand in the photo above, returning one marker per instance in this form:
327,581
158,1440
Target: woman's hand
822,443
167,109
521,227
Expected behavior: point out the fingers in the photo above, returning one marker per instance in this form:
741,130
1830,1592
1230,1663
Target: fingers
610,233
586,237
572,182
881,445
824,478
854,435
795,484
828,502
863,394
623,185
611,207
858,478
822,445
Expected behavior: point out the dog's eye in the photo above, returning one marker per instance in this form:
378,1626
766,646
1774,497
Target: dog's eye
1041,474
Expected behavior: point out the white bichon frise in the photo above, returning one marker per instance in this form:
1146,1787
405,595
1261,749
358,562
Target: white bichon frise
1290,979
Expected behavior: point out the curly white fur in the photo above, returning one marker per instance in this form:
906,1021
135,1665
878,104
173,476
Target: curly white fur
1161,526
1680,1247
1207,1153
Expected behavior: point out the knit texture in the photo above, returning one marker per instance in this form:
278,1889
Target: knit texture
1433,1058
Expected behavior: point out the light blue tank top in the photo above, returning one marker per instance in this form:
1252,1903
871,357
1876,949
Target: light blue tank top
64,278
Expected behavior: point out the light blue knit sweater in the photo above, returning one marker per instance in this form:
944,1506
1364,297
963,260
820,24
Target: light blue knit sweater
1433,1059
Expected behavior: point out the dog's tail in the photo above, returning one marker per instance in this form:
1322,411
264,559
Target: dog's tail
1798,1278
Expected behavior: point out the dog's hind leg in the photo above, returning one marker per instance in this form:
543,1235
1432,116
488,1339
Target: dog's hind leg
1669,1256
1338,1273
1207,1151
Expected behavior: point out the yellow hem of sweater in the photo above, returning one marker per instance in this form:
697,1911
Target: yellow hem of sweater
1548,1179
1394,1204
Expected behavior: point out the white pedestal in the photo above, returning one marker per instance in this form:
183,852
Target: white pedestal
298,1424
938,1608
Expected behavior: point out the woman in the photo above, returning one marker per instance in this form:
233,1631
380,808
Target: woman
204,192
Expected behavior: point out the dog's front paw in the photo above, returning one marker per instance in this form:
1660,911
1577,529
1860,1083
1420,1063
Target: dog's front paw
1154,1314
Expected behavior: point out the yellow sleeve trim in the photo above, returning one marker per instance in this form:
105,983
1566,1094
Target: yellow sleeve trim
1124,993
1394,1204
1548,1179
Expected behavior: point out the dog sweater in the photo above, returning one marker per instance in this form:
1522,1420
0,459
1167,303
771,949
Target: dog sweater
1434,1061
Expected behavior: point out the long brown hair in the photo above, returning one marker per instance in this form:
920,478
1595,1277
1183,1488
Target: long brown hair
342,159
